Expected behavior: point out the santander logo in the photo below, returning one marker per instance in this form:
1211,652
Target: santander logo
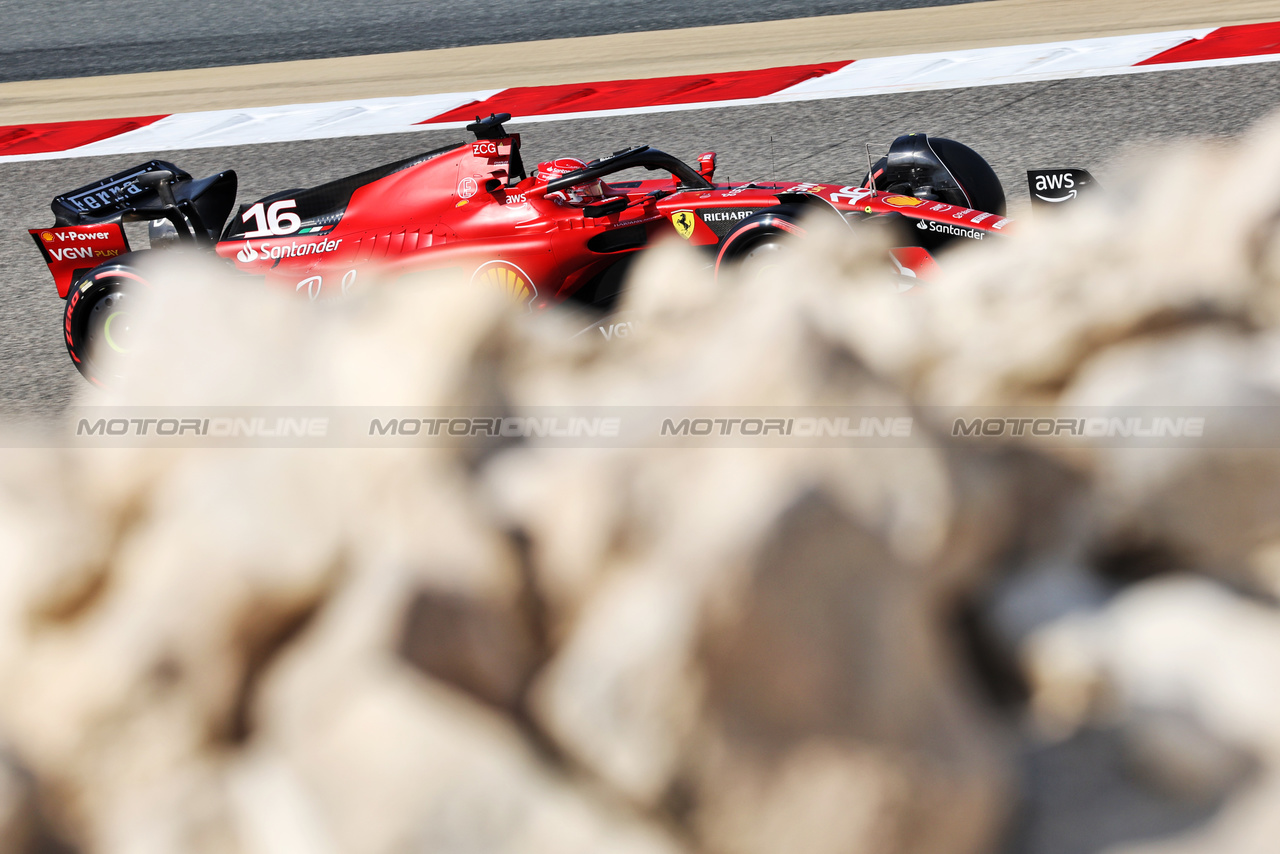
247,254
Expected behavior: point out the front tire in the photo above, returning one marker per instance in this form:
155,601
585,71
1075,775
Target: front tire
757,243
974,174
762,257
965,180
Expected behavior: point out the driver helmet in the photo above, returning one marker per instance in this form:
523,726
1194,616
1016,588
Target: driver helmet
552,169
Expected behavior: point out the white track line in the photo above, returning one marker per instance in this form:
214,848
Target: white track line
1062,60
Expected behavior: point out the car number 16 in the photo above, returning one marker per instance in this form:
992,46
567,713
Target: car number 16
274,221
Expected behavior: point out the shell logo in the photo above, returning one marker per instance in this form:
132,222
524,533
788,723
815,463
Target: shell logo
47,236
903,201
507,278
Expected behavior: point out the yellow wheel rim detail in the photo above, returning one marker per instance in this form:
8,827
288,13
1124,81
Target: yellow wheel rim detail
106,332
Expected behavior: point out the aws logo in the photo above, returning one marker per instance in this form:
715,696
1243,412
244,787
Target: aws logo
508,278
1063,182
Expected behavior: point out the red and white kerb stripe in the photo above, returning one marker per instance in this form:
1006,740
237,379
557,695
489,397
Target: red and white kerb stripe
948,70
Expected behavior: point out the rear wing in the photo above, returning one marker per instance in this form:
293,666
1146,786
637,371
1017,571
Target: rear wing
89,222
154,190
115,198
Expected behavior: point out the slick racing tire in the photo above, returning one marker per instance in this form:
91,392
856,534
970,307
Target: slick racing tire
758,243
974,174
98,321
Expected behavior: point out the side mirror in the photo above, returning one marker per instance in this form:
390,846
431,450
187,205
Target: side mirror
707,164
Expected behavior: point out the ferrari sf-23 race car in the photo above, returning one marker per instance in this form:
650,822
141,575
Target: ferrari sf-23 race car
563,233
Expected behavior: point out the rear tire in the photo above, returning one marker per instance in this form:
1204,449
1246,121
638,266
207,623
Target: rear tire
98,321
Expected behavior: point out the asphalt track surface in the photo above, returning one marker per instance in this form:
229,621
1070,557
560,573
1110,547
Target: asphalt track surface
1086,123
75,38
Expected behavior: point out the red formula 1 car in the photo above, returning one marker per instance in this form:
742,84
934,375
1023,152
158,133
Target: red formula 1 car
565,233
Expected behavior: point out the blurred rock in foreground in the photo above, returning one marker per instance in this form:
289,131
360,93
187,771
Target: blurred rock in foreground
949,648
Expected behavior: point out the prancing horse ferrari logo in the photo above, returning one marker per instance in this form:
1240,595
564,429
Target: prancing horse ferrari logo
683,221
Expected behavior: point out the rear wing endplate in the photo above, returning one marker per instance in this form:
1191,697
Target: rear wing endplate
74,249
